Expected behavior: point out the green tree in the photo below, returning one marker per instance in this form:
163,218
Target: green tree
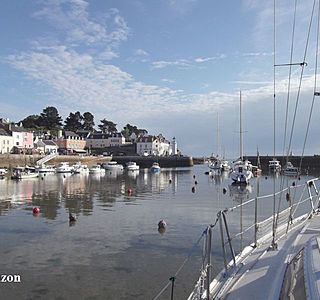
50,118
31,122
107,126
73,122
88,121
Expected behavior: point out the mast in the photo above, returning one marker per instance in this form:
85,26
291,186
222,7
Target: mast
241,143
218,134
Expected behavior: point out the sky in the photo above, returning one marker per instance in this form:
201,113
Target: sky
174,67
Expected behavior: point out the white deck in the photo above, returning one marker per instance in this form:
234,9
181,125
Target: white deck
261,273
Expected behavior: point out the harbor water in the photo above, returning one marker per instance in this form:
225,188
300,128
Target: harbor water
114,249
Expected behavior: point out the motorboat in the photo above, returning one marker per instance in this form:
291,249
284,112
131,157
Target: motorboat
274,165
46,169
290,170
155,168
97,169
113,166
132,166
3,173
64,167
79,168
225,167
19,173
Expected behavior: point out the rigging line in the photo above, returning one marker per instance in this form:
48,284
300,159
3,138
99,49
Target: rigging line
289,77
314,90
300,81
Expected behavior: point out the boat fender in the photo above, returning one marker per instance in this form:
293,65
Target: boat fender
193,189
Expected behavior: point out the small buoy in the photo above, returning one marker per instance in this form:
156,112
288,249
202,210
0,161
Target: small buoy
193,189
311,183
72,218
196,182
170,181
36,210
41,178
129,191
266,177
206,173
299,178
224,190
64,176
162,224
194,176
293,183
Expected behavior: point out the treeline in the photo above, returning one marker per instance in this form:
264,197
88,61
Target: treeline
50,119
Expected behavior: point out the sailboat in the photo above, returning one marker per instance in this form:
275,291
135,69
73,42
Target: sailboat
241,172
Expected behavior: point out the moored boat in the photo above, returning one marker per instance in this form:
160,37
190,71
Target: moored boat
97,169
132,166
155,168
113,166
64,167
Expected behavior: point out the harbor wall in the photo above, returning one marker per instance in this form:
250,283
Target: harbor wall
13,160
309,163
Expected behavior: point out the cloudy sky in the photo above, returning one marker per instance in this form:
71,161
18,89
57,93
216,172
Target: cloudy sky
169,66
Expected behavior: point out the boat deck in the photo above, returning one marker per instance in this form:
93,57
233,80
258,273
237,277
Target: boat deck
261,273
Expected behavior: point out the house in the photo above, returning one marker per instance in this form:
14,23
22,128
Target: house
140,133
153,145
70,143
22,138
6,141
47,147
101,140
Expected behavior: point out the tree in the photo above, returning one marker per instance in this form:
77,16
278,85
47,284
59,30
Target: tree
128,130
88,121
107,126
31,122
73,122
50,118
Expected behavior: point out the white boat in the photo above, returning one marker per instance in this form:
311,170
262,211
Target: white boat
241,171
215,165
64,167
112,166
46,169
79,168
23,173
3,172
225,167
274,165
155,168
132,166
290,170
97,169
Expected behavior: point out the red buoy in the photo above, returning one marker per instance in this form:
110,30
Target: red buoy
130,191
36,210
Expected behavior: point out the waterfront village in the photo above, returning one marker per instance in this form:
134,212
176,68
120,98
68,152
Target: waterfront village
25,137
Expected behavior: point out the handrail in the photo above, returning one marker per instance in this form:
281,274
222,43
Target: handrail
203,289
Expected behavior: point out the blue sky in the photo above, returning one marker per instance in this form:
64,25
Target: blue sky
167,66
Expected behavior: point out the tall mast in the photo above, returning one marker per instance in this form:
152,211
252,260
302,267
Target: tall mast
218,134
241,144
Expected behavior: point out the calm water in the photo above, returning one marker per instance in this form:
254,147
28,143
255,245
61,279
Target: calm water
114,250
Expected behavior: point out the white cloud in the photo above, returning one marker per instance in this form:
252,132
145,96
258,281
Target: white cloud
167,80
141,52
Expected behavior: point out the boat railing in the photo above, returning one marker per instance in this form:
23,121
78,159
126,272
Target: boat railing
295,205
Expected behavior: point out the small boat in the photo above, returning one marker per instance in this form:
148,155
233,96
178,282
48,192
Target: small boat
290,170
3,173
225,167
274,165
155,168
97,169
256,171
132,166
23,173
79,168
64,167
241,173
113,165
215,165
46,169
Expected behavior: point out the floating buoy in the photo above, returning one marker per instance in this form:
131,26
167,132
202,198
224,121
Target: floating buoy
130,191
170,181
293,183
206,173
36,210
311,183
72,218
299,178
196,182
41,178
266,177
193,189
64,176
162,224
287,196
194,176
224,190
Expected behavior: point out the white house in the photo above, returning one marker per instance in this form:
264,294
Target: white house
6,141
47,147
153,145
102,140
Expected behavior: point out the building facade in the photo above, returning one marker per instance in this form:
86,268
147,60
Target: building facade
153,145
6,142
70,143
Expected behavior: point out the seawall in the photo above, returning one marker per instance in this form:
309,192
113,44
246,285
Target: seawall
13,160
